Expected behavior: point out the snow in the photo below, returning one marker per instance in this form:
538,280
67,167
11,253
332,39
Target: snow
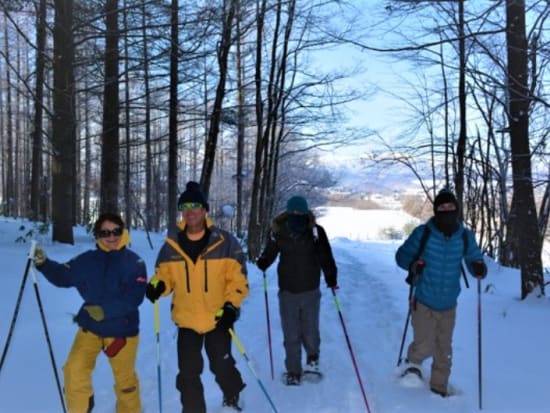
372,301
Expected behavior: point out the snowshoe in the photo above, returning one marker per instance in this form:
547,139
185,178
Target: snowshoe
412,370
312,373
451,391
411,377
312,376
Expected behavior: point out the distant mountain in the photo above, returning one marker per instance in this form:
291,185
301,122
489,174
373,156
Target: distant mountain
355,177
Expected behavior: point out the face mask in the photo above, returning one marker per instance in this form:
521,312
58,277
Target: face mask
446,221
297,223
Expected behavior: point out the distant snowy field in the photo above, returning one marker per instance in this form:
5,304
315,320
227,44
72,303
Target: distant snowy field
371,224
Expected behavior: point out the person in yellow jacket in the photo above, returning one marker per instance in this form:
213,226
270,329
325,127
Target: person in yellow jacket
204,268
111,279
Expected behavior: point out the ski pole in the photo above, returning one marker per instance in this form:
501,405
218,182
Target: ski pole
249,363
45,325
349,347
17,305
479,340
268,327
157,334
400,357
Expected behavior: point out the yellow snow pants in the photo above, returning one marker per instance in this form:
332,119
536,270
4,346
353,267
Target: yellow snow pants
79,367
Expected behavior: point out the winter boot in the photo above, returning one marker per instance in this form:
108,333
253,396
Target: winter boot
232,402
292,379
439,392
312,364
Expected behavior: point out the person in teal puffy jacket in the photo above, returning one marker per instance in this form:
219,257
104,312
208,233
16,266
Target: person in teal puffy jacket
436,287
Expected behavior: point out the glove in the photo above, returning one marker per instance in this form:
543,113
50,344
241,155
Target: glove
417,267
39,256
227,315
112,349
154,289
262,264
415,270
95,311
331,283
479,269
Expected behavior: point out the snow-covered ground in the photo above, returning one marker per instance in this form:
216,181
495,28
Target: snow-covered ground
373,303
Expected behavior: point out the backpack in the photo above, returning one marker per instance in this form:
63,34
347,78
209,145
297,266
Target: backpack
423,241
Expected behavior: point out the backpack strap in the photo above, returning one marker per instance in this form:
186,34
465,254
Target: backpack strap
423,241
465,241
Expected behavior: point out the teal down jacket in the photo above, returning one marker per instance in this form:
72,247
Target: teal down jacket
438,286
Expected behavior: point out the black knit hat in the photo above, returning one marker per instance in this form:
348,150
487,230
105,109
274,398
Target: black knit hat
444,196
193,193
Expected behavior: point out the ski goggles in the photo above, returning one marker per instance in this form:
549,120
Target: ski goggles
105,233
188,206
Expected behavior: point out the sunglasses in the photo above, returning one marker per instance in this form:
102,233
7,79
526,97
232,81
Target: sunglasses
187,206
105,233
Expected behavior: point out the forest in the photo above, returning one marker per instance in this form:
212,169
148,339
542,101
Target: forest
116,104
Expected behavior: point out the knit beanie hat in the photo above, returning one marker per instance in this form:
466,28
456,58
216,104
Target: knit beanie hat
193,193
444,196
297,204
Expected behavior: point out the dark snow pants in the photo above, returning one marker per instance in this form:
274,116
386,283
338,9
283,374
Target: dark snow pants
217,344
300,322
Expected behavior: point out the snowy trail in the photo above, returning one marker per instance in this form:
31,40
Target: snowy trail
373,300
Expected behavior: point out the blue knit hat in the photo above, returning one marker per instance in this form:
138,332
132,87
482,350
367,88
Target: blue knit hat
193,193
297,204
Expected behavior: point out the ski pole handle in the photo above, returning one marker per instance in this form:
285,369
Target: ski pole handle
33,249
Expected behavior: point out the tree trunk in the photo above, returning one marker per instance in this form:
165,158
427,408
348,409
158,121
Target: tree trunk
148,150
63,125
9,199
173,121
111,107
523,218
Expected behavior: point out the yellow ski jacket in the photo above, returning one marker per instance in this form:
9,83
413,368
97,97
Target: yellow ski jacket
200,289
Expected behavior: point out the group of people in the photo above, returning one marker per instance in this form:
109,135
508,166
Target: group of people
204,269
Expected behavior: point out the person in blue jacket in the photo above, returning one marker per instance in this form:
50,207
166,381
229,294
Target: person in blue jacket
111,280
436,287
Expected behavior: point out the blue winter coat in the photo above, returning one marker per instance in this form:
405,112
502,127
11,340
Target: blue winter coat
438,286
115,280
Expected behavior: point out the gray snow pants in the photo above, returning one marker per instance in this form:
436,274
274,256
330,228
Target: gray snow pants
433,336
300,322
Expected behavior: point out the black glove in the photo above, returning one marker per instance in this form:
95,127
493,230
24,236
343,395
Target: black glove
417,267
261,264
479,269
331,282
154,290
227,315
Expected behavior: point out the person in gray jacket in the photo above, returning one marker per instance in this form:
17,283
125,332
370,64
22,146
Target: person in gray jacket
436,284
304,250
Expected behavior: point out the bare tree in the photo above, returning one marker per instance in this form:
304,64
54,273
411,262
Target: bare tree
111,107
36,211
228,15
173,121
63,125
523,230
